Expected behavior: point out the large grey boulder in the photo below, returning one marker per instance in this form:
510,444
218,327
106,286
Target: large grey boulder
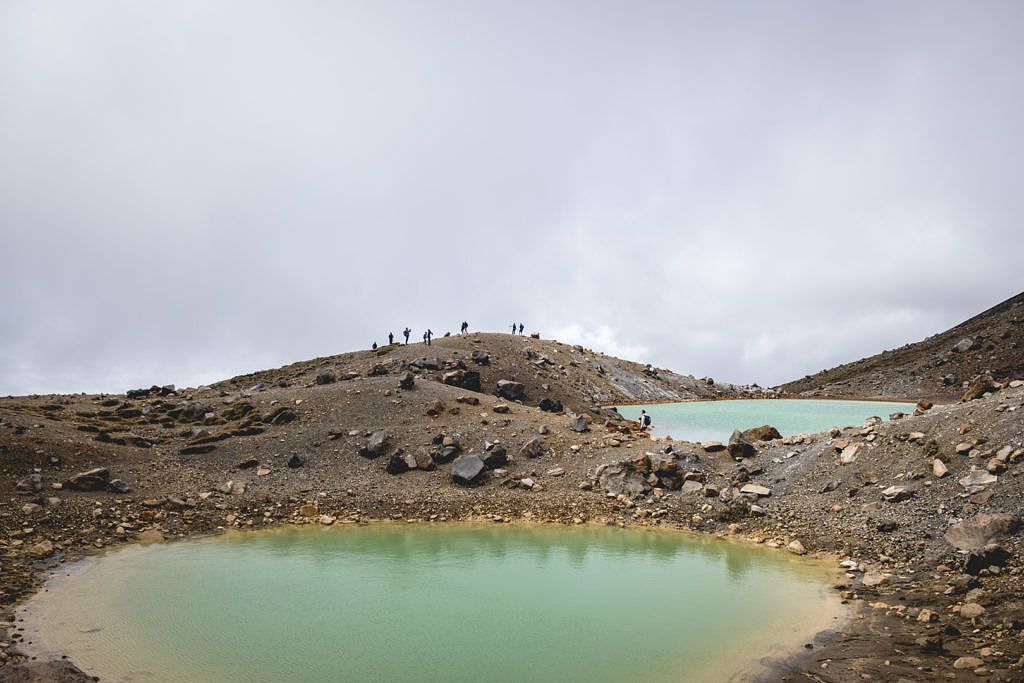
467,470
974,533
376,446
511,391
481,358
623,479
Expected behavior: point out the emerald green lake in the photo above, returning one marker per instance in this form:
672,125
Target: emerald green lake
432,603
715,420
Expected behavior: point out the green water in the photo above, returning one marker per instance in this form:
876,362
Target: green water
426,603
715,420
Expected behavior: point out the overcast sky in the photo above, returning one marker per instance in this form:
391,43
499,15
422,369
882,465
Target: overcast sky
748,190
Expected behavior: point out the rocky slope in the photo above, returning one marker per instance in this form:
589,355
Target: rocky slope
935,368
379,436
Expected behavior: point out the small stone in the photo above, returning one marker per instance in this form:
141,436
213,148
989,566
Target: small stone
967,663
796,547
971,610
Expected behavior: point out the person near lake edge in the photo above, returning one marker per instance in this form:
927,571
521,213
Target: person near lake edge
644,420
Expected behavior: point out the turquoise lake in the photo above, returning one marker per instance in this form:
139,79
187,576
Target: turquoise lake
715,420
432,603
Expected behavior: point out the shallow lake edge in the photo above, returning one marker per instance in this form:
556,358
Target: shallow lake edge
771,665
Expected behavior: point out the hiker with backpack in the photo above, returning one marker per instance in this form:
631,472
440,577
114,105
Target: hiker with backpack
644,420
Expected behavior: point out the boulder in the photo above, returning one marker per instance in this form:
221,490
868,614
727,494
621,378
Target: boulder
471,380
622,479
740,447
435,408
714,446
579,424
755,490
534,448
976,480
467,469
406,380
427,363
376,446
510,390
849,454
549,405
972,535
762,433
422,460
481,358
91,480
895,494
979,386
397,464
325,378
497,456
796,547
296,461
964,345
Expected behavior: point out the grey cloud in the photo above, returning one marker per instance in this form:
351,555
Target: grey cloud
748,190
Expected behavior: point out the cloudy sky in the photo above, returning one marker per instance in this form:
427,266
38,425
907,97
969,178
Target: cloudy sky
751,190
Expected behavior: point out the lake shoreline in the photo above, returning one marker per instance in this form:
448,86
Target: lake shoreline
762,666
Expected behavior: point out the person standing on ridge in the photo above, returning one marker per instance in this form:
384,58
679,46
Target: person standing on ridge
520,328
427,335
374,346
513,328
465,327
391,338
406,332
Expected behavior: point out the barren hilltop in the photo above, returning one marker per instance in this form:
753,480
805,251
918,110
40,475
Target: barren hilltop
919,513
937,368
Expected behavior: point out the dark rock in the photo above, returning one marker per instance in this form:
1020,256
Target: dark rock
740,447
296,461
427,363
887,526
197,449
377,370
397,464
467,470
471,380
468,400
510,390
435,408
406,380
248,464
992,555
446,454
376,446
549,405
325,378
495,457
91,480
481,358
422,460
